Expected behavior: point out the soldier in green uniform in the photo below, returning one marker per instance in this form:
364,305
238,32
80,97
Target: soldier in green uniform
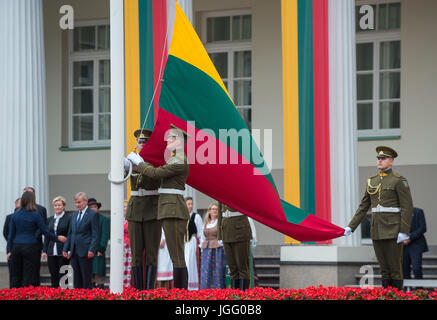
172,210
388,194
234,230
143,226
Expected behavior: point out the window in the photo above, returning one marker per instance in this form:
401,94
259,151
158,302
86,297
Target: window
378,66
89,89
227,38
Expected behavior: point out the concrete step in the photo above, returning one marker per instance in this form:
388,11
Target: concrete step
377,279
267,268
262,260
429,269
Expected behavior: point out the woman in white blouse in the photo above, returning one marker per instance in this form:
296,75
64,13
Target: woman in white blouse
52,250
212,268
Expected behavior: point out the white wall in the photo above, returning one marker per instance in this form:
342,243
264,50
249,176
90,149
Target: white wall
417,145
67,162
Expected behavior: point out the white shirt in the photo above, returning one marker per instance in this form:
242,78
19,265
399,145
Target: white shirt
57,218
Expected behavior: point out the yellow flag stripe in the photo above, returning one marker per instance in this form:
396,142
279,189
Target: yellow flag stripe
132,74
186,45
290,91
132,71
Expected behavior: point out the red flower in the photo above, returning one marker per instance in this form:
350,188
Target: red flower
310,293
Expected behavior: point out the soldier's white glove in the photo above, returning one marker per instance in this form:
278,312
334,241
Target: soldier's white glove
126,163
347,231
402,237
135,158
253,243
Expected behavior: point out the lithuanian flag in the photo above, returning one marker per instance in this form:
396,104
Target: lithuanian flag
233,171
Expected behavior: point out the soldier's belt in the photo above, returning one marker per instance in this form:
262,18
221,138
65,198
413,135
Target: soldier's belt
171,191
143,192
229,214
385,209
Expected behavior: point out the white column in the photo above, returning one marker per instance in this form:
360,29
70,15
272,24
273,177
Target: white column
23,160
343,118
117,145
187,7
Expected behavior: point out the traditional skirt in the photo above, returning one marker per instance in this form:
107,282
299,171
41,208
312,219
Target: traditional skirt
212,268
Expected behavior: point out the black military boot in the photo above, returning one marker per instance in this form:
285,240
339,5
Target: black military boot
385,282
244,284
397,283
150,277
137,273
180,277
235,283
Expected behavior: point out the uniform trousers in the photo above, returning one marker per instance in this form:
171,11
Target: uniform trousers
237,255
389,255
175,230
144,235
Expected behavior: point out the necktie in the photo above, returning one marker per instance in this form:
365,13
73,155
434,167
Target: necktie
79,218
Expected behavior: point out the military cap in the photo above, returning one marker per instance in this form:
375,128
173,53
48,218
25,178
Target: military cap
385,152
177,132
142,134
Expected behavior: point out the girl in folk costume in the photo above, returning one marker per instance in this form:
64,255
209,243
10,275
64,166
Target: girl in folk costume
195,229
164,276
213,261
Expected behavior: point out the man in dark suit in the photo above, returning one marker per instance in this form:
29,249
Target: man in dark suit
43,212
82,241
415,246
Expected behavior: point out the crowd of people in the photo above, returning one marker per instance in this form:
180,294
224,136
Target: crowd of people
168,244
80,239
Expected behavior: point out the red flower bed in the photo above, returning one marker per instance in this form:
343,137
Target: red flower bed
310,293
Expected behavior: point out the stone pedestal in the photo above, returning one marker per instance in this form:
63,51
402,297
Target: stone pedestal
303,266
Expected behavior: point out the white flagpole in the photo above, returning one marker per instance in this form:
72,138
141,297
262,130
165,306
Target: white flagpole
117,144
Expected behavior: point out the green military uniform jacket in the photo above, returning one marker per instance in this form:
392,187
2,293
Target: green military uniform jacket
391,190
99,262
143,208
234,229
172,175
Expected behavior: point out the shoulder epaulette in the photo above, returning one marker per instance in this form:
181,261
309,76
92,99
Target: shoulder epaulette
397,175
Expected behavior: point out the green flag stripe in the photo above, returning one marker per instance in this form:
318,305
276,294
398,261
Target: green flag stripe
145,11
306,106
